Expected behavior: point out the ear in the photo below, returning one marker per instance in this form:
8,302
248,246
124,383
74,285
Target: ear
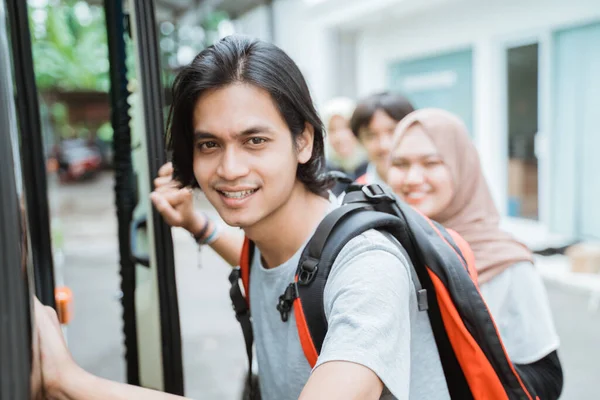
304,143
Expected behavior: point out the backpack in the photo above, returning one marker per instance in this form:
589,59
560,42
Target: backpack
475,363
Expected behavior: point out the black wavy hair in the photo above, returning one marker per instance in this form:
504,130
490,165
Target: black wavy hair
239,59
394,104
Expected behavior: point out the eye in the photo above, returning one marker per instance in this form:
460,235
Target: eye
432,163
257,141
207,145
401,164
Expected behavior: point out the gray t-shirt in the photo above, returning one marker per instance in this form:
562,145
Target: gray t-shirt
373,320
519,304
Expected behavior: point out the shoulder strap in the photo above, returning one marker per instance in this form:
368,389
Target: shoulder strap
245,263
240,298
365,208
316,261
466,251
468,334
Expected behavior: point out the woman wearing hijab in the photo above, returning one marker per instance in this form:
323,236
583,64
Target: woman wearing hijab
435,167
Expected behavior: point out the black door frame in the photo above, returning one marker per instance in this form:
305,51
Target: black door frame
15,326
32,151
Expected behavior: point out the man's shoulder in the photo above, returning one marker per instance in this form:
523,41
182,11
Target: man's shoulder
371,243
371,259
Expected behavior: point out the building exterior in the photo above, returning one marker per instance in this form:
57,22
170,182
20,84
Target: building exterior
523,74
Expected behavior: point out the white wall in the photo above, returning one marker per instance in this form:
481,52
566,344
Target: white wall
459,24
309,44
254,23
384,31
487,28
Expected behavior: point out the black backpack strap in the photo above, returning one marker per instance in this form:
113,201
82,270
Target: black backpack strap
320,254
242,314
435,249
422,302
365,208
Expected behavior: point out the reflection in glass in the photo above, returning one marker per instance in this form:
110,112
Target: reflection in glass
522,127
17,266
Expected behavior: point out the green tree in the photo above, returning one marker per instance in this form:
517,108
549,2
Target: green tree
69,46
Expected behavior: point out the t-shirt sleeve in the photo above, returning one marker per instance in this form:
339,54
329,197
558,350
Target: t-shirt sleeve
367,308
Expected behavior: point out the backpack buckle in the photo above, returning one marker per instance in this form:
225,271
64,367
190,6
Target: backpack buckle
376,193
308,271
286,300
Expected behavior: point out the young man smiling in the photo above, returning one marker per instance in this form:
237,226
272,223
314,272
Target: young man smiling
373,123
244,129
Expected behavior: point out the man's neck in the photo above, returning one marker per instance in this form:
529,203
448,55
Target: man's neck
379,175
282,233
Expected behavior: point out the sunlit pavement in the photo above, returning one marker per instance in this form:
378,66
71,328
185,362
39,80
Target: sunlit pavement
214,357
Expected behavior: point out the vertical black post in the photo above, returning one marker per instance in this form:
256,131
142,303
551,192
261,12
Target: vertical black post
15,329
153,104
125,200
32,151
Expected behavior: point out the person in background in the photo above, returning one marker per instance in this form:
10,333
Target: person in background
373,123
435,167
343,151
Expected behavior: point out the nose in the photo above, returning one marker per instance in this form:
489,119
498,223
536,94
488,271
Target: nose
384,143
232,165
414,175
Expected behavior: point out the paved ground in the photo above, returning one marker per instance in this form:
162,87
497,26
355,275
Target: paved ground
213,349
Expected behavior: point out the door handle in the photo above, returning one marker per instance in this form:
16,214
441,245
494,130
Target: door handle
135,255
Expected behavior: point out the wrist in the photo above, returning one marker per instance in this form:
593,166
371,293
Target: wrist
68,384
212,234
198,225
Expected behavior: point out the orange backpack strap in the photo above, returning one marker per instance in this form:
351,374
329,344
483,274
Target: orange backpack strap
481,354
306,341
474,361
245,261
306,293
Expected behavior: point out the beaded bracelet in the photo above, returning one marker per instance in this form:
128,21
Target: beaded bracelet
214,235
198,237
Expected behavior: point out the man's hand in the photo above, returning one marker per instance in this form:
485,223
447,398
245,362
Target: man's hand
57,365
64,379
174,203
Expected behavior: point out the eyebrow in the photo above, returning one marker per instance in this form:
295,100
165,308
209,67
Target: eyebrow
201,135
421,157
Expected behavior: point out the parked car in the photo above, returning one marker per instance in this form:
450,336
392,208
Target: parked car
77,159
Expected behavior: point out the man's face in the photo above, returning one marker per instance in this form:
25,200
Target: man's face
244,158
377,139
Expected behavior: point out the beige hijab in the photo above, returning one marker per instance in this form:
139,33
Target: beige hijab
471,212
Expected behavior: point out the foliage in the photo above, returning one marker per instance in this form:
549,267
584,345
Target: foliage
69,46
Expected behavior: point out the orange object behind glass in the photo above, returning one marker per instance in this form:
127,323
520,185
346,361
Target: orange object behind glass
64,304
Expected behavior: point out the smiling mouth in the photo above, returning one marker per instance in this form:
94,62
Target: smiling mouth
242,194
418,196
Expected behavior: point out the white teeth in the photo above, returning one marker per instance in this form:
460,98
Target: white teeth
416,195
238,195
